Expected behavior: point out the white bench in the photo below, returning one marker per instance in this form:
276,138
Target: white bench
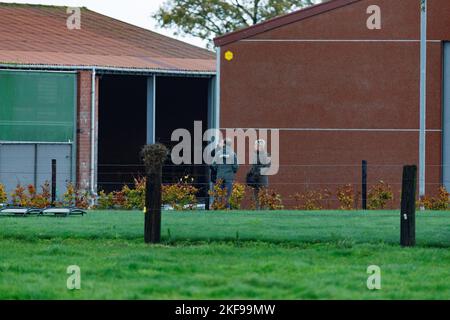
64,211
21,211
28,211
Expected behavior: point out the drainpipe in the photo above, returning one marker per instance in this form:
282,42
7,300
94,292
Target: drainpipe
93,94
216,119
423,97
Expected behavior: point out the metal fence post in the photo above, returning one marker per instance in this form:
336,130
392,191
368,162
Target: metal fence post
53,181
364,185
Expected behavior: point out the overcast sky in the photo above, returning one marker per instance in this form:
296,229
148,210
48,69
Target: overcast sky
137,12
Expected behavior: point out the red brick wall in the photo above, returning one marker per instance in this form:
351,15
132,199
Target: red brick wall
338,86
400,19
84,129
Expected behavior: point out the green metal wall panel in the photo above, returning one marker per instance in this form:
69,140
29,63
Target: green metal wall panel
37,106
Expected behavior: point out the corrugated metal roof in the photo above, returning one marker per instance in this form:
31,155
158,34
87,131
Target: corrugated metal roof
38,35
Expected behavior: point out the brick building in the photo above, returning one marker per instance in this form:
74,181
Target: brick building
342,89
142,84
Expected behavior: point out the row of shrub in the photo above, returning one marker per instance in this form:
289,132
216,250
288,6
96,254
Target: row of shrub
30,197
179,196
379,197
183,196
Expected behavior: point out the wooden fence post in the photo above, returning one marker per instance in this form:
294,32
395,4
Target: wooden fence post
408,207
153,156
153,207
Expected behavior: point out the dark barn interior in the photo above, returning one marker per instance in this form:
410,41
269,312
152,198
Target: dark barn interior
123,126
121,129
179,102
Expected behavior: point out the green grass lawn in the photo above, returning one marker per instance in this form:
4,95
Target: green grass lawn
223,255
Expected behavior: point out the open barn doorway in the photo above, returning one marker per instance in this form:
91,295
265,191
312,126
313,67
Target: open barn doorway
179,102
123,129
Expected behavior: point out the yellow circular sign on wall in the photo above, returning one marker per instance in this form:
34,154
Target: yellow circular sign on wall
229,55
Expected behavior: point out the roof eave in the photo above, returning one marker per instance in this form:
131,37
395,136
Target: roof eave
107,68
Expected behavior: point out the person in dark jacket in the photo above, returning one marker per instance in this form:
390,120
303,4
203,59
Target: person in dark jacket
212,168
260,163
226,165
212,174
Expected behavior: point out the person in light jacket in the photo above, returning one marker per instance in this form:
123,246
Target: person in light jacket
260,162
